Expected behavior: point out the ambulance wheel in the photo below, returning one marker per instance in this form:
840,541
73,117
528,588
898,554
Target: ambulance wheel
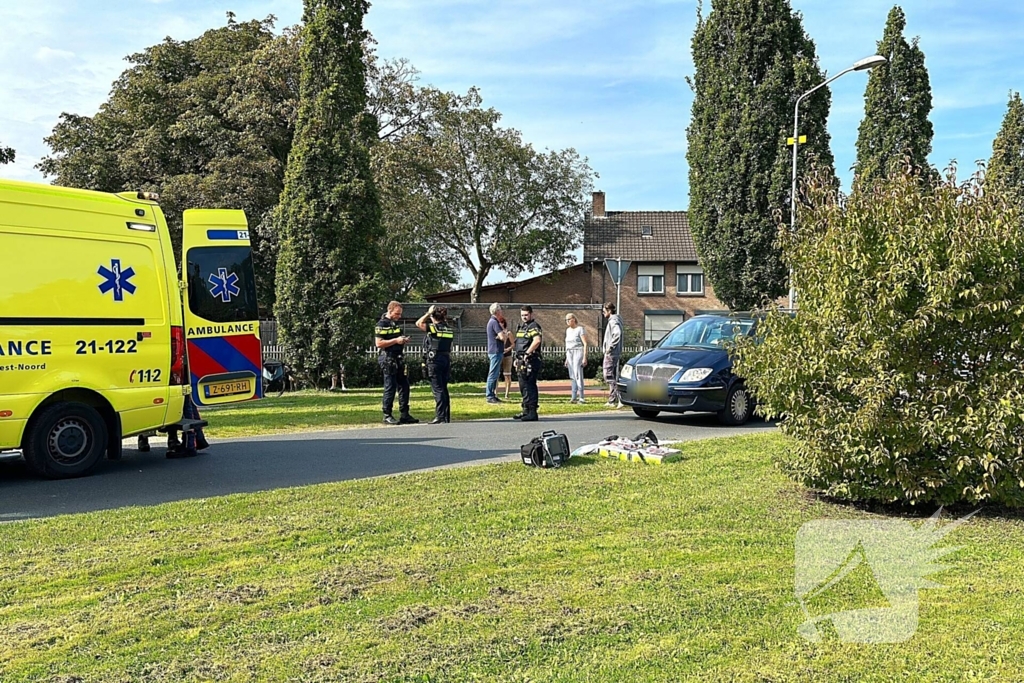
65,440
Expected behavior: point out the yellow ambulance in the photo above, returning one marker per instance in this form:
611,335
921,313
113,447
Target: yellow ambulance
99,337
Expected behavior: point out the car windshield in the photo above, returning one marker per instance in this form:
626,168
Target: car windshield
706,332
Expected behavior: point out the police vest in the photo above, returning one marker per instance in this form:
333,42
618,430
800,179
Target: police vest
525,335
386,329
440,337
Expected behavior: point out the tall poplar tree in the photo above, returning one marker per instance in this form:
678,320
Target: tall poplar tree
898,99
329,218
752,59
1006,167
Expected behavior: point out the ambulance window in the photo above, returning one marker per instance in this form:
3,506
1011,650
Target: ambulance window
221,284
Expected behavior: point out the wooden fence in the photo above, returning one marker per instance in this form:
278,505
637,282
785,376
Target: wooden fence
272,350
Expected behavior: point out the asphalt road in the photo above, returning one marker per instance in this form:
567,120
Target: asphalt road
270,462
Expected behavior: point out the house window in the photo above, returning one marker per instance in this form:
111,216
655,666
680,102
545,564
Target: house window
650,279
689,280
659,323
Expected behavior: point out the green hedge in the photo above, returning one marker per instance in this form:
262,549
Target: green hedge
901,378
365,372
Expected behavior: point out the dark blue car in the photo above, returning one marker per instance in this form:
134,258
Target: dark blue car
690,371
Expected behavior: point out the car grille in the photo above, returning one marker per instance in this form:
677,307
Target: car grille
657,372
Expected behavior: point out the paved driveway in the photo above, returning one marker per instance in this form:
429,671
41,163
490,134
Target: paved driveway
270,462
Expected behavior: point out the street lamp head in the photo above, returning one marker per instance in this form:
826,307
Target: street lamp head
869,62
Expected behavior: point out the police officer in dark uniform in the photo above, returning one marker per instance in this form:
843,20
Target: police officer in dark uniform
527,363
438,359
390,341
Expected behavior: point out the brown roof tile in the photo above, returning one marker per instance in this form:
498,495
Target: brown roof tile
621,235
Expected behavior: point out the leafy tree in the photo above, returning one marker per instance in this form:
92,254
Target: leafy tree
206,122
1006,167
328,221
393,98
752,59
902,377
209,123
6,155
895,130
484,198
415,262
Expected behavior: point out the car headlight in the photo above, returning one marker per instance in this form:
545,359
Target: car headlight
695,374
626,372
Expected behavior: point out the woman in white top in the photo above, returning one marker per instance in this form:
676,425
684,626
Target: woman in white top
575,355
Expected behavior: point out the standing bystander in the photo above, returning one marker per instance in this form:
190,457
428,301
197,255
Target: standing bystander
495,351
613,340
506,359
575,356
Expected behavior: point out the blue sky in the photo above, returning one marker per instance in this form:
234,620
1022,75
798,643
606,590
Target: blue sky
603,76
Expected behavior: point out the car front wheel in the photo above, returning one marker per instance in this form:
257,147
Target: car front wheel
739,406
646,413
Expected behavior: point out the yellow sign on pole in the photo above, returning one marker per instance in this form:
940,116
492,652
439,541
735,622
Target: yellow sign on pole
803,139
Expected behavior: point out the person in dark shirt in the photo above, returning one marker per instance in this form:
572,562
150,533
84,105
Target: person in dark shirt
390,342
439,366
506,356
528,363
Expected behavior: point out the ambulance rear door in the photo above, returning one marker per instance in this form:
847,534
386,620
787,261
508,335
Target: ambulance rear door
222,328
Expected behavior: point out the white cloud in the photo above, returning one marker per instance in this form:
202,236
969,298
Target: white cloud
49,55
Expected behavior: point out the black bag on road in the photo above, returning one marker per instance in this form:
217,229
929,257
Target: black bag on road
550,449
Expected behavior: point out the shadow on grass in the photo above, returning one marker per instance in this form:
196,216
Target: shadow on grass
921,511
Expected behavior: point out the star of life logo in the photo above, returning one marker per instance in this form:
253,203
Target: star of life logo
116,279
224,285
899,557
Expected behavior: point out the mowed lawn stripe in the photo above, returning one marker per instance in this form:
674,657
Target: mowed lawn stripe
604,571
321,410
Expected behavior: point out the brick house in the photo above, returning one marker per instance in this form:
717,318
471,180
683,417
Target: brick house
663,286
552,295
665,283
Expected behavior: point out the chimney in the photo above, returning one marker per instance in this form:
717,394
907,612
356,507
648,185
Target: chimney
598,209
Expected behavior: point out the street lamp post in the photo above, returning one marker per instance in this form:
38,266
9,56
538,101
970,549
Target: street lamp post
618,288
862,65
617,269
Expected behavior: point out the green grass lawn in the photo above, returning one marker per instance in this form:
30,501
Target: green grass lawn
601,571
311,410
